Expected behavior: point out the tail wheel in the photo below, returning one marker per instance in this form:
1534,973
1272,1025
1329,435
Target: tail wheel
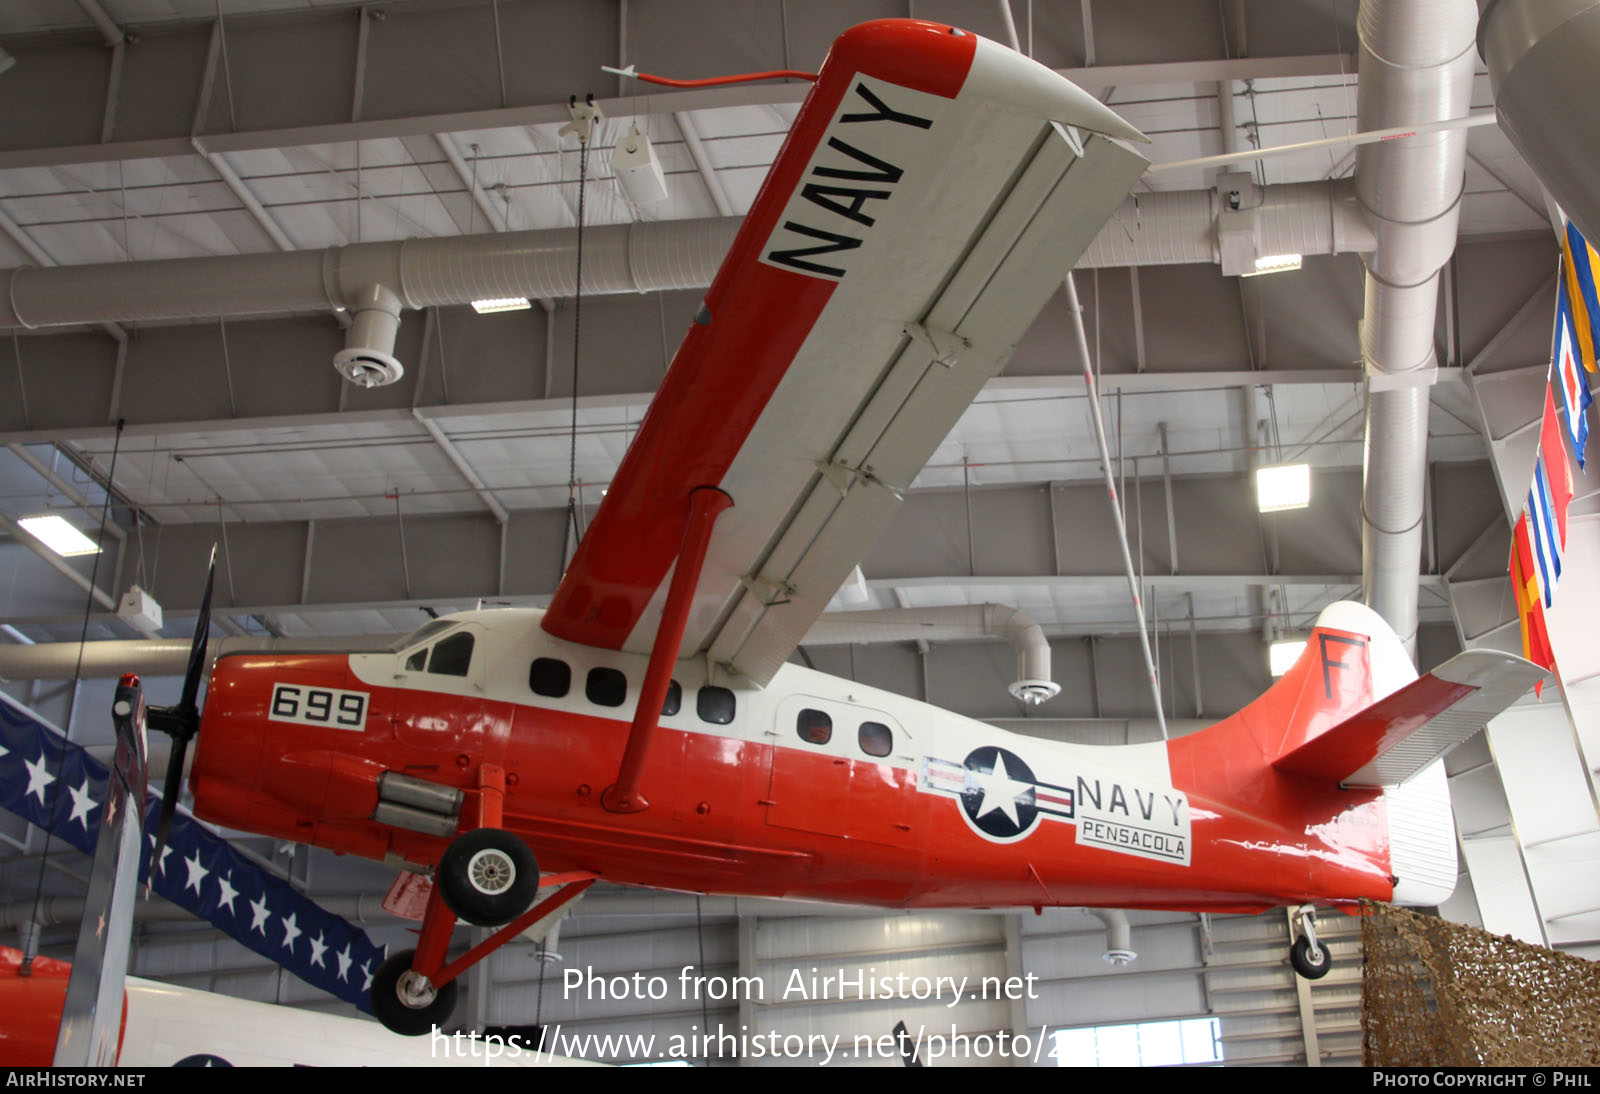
1310,961
406,1002
488,877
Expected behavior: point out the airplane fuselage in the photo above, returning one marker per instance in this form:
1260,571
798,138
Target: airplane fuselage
813,787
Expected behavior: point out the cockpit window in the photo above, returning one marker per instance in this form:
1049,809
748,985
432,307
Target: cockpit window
452,656
417,661
422,634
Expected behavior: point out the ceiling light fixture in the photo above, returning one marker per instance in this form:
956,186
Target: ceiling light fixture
1282,654
1287,486
501,303
1267,264
55,533
637,169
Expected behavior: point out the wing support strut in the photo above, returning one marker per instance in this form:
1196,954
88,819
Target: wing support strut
706,503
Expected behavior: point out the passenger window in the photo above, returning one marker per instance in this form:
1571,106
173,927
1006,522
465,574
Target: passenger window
550,677
814,727
715,705
674,700
606,687
875,739
416,661
452,655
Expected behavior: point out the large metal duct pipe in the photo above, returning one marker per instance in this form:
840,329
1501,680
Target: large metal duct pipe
1168,227
1158,228
1033,683
644,257
170,656
1416,66
1541,57
151,657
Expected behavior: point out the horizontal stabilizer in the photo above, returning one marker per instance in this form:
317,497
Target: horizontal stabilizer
1399,735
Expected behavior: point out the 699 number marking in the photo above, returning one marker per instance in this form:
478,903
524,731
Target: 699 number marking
318,706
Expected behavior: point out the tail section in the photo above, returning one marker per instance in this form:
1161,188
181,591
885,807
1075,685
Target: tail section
1352,715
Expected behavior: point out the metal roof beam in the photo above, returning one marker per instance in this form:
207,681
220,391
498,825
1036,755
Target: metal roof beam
428,105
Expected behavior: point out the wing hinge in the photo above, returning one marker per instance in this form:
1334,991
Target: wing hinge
945,346
844,475
769,592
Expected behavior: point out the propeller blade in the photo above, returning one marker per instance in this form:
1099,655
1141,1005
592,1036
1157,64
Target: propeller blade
170,790
197,649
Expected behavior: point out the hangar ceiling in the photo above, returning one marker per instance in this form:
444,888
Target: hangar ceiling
424,119
198,129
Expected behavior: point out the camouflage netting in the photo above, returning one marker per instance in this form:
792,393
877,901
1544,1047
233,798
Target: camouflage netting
1439,993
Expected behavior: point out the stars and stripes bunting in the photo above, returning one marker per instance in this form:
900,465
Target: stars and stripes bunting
58,786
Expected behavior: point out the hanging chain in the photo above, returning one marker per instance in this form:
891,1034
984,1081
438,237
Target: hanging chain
31,942
571,530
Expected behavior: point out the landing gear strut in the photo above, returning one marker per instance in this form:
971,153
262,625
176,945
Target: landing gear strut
416,990
1309,957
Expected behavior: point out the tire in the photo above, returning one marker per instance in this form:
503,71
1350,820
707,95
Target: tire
1309,963
398,1015
488,877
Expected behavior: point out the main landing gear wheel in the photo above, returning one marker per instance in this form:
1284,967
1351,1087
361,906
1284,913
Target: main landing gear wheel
406,1002
488,877
1309,957
1311,962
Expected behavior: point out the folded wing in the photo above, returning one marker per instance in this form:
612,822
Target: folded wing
933,193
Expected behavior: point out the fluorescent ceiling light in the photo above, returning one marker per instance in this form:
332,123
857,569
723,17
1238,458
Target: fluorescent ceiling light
502,303
1282,654
1275,264
62,538
1285,487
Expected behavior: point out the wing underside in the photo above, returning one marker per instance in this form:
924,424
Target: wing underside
935,190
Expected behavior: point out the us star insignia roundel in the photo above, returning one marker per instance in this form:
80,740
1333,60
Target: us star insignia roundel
997,792
1000,797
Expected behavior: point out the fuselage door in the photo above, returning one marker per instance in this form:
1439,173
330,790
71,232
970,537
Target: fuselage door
838,769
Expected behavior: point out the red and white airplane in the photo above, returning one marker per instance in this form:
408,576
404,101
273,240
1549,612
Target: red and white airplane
935,189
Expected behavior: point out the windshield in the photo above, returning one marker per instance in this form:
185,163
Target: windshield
427,630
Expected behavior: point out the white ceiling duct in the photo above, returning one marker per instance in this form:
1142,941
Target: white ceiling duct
152,656
1416,66
651,256
1541,56
1033,683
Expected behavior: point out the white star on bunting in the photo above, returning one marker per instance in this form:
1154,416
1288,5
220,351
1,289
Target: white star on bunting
318,948
258,914
38,778
226,893
290,932
82,803
197,873
343,957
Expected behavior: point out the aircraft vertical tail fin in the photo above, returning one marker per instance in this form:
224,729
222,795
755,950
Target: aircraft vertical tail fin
1353,712
1352,660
